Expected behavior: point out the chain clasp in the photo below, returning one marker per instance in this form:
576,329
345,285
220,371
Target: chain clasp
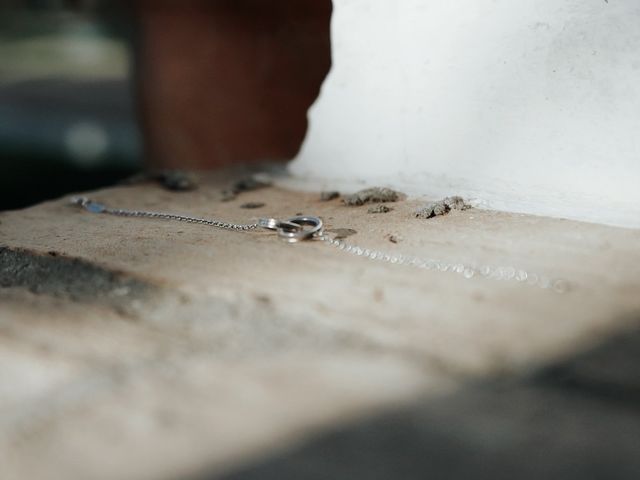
88,204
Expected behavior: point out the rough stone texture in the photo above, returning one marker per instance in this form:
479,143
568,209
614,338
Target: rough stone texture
372,195
436,209
247,346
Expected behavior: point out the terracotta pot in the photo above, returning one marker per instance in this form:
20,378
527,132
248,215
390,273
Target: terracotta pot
229,81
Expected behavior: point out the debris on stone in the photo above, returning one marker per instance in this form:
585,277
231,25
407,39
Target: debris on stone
372,195
442,207
175,180
248,184
379,209
254,182
457,203
228,195
252,205
433,210
395,238
342,233
329,195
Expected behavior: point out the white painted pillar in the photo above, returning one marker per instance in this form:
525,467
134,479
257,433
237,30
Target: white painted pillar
526,105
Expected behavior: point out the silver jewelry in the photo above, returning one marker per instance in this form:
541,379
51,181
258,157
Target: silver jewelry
303,228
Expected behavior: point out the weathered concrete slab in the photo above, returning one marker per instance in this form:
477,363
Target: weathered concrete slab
242,345
576,419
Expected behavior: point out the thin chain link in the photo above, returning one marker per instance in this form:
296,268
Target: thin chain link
468,271
96,207
182,218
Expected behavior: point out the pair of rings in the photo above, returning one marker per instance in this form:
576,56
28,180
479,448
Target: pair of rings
295,229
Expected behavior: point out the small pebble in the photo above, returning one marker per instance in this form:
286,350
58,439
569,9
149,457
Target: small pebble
248,184
252,205
442,207
328,196
379,209
372,195
178,180
456,203
228,195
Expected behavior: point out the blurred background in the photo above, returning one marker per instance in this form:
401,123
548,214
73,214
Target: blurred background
67,115
90,88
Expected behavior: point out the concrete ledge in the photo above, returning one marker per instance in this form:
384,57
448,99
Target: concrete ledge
246,345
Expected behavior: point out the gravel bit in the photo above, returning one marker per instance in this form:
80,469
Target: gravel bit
372,195
442,207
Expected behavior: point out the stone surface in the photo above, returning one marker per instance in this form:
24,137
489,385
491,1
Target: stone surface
243,346
556,423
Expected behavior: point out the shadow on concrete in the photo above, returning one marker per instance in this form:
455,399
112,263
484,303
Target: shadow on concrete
577,419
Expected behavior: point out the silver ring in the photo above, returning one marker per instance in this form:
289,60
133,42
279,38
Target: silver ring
306,229
275,224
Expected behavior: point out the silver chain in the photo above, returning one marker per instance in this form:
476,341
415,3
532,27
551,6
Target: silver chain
293,230
180,218
468,271
305,228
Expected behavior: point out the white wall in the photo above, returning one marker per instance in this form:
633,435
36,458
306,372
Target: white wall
526,105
